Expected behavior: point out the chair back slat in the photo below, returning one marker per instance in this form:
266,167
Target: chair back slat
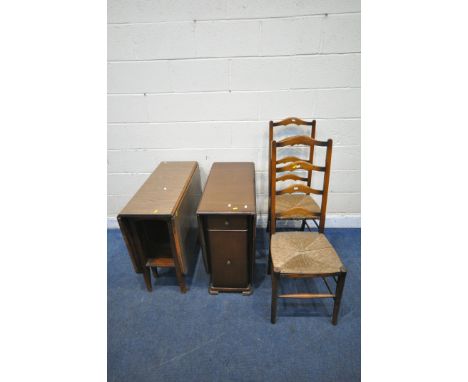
300,140
295,188
289,159
301,165
293,121
290,177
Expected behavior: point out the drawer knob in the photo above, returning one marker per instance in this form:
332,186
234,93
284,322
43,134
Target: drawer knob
226,222
228,262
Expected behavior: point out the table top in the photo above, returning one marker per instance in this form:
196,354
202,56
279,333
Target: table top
230,188
162,191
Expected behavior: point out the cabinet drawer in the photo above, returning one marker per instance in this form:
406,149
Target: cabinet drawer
229,258
226,222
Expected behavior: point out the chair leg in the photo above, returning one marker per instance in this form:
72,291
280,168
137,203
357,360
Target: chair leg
303,225
147,277
321,227
274,295
155,272
338,294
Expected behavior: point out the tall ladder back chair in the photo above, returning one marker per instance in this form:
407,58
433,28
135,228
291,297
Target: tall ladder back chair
302,254
286,122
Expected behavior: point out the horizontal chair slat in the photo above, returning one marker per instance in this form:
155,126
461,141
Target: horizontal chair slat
308,275
301,165
290,159
291,177
301,140
307,295
292,121
299,188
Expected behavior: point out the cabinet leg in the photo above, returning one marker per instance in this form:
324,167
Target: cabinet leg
212,291
248,292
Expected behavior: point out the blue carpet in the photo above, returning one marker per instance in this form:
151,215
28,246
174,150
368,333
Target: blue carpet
169,336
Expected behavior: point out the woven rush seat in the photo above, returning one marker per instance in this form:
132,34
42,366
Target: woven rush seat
286,202
303,253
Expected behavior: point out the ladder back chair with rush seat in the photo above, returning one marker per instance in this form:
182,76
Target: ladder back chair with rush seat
286,122
302,254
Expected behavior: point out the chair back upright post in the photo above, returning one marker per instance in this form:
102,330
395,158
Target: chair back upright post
270,140
326,181
311,153
273,188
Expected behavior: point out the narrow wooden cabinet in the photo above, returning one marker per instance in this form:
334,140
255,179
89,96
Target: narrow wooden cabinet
159,224
227,220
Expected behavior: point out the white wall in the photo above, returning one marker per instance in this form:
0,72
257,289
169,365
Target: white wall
199,80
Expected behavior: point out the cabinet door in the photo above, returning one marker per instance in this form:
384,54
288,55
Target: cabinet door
229,261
